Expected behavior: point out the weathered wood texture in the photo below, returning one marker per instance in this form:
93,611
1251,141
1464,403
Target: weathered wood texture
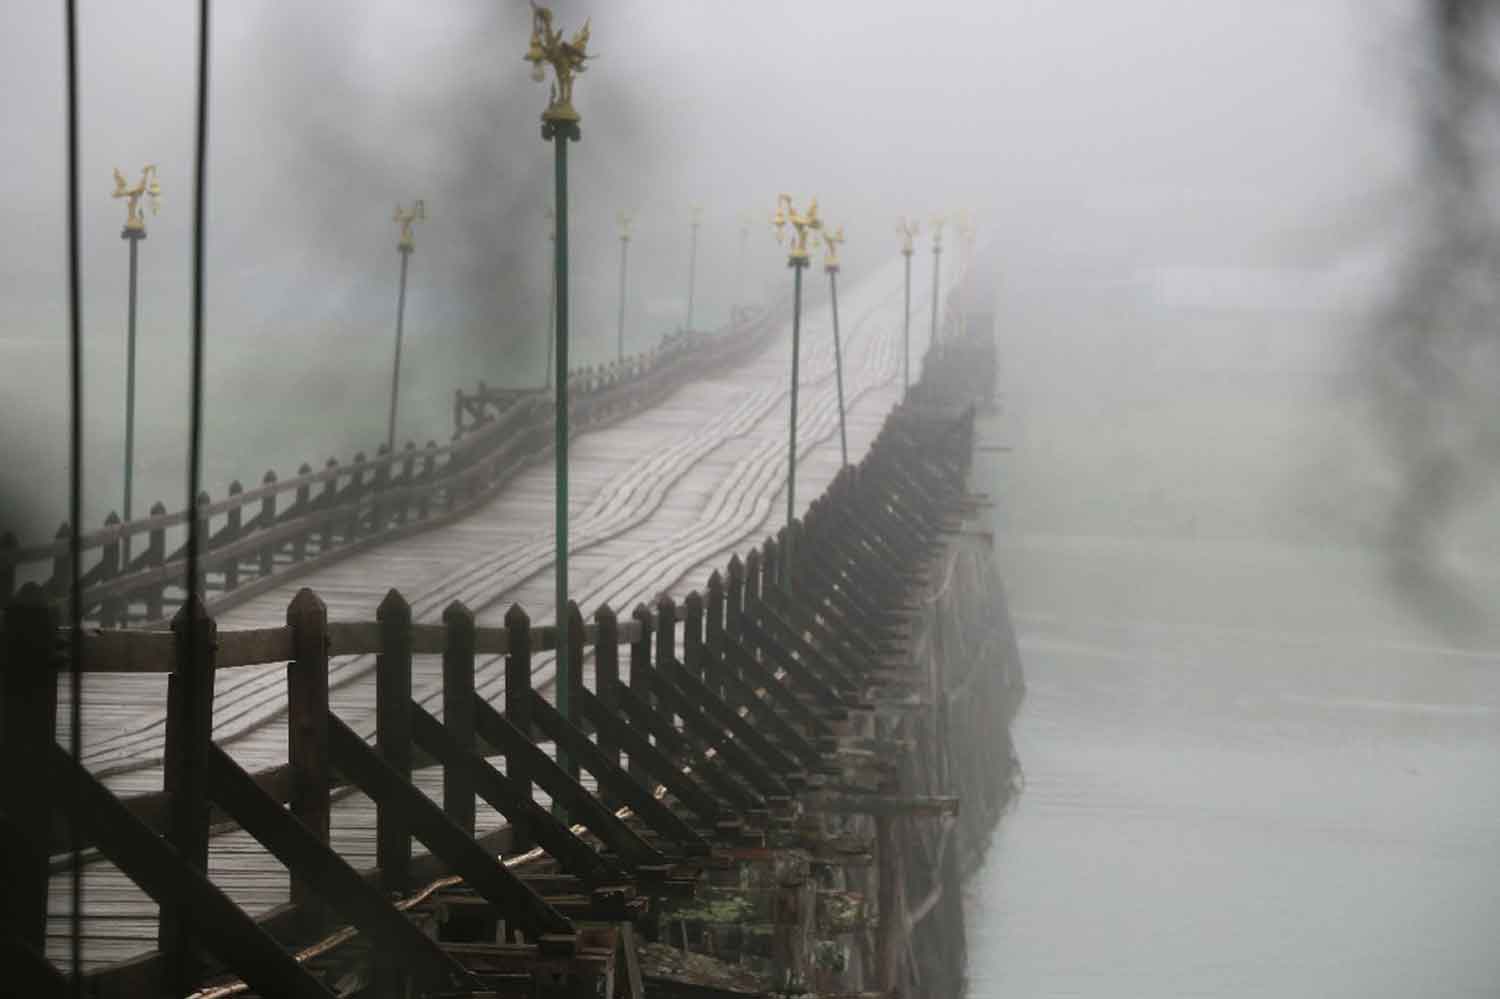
860,531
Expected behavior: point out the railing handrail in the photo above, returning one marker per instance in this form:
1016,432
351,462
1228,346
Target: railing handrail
467,441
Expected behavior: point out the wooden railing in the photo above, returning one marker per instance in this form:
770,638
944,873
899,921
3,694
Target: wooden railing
704,720
256,538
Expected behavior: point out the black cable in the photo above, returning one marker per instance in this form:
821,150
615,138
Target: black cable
195,417
75,486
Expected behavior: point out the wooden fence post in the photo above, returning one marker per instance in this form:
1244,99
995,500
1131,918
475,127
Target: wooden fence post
354,494
458,709
429,470
28,731
408,469
266,522
304,495
233,529
328,501
393,735
380,509
190,705
207,541
737,596
752,579
607,674
156,554
640,661
59,584
8,546
692,636
113,609
518,705
307,731
575,681
714,632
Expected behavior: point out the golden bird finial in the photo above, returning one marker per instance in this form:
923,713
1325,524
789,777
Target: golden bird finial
908,229
802,227
938,221
567,59
148,186
405,218
831,241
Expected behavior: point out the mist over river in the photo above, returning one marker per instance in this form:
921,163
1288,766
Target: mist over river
1252,768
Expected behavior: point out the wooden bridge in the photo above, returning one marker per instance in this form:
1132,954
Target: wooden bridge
376,681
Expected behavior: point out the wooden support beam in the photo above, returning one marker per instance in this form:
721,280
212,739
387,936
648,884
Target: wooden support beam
612,777
330,878
512,799
28,727
160,871
649,761
672,742
564,790
491,879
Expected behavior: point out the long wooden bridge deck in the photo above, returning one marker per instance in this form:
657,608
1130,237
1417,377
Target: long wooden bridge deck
658,500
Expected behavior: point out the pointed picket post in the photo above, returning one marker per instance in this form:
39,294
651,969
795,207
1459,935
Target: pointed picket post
458,709
518,705
393,735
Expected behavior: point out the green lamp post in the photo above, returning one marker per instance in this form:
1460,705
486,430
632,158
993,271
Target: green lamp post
937,265
551,296
133,233
831,241
624,219
405,218
797,259
695,219
908,231
560,126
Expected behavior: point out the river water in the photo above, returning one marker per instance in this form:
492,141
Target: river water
1247,774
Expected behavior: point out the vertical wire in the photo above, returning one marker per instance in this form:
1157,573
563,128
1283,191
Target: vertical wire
75,488
195,437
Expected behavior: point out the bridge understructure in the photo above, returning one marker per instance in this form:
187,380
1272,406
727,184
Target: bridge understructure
759,785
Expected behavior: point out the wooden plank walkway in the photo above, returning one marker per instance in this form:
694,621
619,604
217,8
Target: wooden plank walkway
658,501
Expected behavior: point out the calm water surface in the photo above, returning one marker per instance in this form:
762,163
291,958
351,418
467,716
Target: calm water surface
1248,774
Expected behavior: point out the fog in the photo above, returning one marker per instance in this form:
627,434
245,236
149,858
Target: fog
1243,258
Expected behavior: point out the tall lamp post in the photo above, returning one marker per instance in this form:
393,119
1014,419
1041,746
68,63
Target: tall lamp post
551,296
695,219
937,266
405,218
797,259
831,241
908,231
625,219
965,229
560,126
133,233
739,306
